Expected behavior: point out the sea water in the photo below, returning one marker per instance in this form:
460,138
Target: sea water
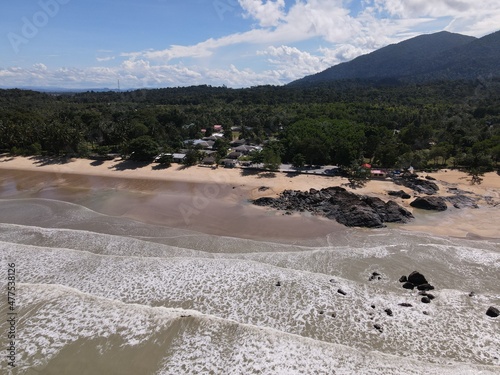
99,292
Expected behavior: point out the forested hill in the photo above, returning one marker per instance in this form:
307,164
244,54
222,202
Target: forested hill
439,56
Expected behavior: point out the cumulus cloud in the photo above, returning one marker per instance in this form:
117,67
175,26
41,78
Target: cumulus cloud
327,31
266,12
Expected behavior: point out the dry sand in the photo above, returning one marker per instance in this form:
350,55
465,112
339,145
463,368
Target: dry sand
482,222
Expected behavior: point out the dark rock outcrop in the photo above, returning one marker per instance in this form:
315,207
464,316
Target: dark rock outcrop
400,194
430,203
417,278
462,201
338,204
492,312
419,185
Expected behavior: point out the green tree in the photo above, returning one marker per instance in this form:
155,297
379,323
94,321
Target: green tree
298,161
143,148
192,157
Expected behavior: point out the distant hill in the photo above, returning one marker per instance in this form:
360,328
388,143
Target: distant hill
428,57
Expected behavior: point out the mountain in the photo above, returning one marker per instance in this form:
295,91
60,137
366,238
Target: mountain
427,57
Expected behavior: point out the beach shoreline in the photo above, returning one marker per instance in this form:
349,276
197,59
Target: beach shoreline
232,188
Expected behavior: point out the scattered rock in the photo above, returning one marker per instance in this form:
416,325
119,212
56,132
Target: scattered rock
428,295
333,315
430,178
425,312
405,304
403,279
264,188
321,312
472,294
425,287
378,327
374,276
372,306
388,312
278,283
492,312
426,300
185,316
409,286
430,203
340,291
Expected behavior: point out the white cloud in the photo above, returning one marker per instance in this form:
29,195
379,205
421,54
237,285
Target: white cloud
104,59
266,12
326,30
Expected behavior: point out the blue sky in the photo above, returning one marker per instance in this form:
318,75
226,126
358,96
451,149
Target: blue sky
238,43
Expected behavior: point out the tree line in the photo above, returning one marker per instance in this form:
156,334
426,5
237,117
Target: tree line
385,123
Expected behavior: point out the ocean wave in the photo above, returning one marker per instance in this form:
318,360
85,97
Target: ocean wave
304,303
62,324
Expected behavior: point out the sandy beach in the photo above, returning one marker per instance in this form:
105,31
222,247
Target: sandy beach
236,185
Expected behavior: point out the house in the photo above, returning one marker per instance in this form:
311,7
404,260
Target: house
229,163
238,142
234,155
244,149
209,160
377,173
178,158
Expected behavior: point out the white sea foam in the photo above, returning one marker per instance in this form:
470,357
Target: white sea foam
245,291
245,321
56,317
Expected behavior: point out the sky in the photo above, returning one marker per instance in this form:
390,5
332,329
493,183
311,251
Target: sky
83,44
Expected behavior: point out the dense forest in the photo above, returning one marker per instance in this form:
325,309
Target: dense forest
389,124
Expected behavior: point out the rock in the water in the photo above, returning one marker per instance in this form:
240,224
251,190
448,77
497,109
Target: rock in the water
378,327
425,287
388,312
403,279
405,304
417,278
492,312
278,283
408,285
340,291
428,295
430,203
426,300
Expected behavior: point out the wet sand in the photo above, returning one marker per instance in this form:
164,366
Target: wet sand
216,201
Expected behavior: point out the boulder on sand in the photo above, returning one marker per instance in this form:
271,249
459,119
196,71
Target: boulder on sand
430,203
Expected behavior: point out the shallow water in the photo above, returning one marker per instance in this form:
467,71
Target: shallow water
104,289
